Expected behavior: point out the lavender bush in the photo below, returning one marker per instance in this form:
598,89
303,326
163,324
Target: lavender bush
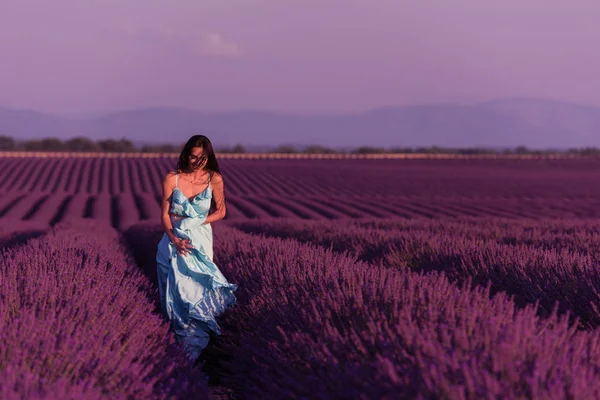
75,318
313,323
14,231
534,261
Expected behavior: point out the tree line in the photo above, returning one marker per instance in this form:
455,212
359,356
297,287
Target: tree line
83,144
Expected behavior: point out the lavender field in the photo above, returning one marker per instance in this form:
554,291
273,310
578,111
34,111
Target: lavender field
125,191
358,279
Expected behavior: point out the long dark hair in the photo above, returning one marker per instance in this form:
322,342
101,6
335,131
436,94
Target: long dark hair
207,149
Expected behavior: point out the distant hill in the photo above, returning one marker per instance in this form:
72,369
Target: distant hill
535,123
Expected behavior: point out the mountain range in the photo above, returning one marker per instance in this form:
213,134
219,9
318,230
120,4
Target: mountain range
531,122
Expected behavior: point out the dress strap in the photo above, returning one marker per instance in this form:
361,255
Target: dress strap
176,176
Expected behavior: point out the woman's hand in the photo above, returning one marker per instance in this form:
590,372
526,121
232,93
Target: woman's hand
183,246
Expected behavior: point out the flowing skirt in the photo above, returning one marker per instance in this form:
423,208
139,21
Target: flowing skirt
193,291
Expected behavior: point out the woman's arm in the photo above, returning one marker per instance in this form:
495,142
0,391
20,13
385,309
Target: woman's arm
168,186
219,195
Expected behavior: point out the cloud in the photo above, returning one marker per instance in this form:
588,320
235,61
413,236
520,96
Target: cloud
210,44
216,45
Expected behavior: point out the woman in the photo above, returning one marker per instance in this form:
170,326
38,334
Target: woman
192,289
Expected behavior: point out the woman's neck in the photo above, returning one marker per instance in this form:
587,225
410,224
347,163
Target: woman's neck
197,174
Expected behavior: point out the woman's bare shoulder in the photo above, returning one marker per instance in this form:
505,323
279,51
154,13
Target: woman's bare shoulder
216,177
170,176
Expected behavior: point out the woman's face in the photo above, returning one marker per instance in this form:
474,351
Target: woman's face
197,158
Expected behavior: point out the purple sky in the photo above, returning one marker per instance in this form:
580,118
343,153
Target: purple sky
86,56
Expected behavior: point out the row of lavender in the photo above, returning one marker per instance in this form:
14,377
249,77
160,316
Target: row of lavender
553,262
122,192
471,179
125,209
77,322
314,322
